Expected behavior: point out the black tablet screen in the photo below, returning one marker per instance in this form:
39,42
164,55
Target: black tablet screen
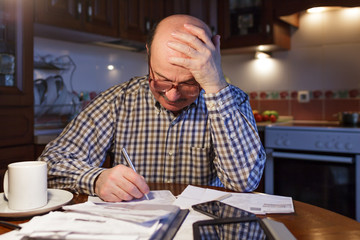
229,223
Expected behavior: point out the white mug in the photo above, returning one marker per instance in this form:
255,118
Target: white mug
25,185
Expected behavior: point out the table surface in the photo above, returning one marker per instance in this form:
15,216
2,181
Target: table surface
308,221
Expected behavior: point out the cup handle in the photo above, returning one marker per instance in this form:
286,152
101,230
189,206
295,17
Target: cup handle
6,185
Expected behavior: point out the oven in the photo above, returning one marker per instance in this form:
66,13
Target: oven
317,164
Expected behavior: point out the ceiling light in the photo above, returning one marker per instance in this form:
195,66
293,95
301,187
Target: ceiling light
262,55
316,10
322,9
110,67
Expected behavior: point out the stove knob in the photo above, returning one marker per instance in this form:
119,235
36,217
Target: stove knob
339,145
348,146
319,144
278,142
329,145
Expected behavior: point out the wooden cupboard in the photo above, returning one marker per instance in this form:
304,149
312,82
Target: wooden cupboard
137,17
16,91
93,16
244,25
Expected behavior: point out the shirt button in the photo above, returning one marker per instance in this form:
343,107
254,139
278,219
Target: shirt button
170,153
211,106
168,181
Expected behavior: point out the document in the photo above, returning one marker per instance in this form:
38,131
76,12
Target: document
193,195
96,219
155,197
258,203
73,225
136,213
261,203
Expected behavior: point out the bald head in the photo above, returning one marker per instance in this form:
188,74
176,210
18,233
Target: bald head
162,33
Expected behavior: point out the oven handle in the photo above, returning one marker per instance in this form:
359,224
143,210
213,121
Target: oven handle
313,157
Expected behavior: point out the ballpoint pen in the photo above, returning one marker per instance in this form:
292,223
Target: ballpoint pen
128,160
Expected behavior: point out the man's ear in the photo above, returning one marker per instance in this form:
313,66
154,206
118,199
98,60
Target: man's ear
147,49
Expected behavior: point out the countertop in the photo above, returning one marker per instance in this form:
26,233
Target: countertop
44,136
281,120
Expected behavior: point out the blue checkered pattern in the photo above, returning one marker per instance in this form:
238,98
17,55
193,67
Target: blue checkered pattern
214,141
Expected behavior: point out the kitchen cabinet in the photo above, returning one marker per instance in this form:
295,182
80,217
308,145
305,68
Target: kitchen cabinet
16,84
244,25
93,16
137,17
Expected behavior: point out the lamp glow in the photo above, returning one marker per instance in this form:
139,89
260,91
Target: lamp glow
110,67
322,9
316,10
262,55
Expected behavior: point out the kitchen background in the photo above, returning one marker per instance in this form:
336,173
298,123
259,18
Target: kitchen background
324,61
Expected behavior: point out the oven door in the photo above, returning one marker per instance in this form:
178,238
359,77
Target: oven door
327,181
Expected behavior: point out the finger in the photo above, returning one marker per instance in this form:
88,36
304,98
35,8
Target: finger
183,62
199,32
136,184
118,195
189,39
185,49
216,41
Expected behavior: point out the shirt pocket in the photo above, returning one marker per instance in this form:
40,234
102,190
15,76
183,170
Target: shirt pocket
196,164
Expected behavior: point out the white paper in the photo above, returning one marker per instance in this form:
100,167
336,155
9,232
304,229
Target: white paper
137,213
155,197
193,195
260,203
72,225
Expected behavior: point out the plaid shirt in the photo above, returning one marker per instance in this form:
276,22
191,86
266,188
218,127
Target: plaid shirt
214,141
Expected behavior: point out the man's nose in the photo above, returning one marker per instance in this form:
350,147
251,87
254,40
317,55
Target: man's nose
173,94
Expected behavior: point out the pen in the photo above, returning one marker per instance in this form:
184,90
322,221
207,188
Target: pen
128,160
223,197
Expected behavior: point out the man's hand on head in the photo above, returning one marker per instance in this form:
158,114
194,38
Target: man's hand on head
202,57
120,183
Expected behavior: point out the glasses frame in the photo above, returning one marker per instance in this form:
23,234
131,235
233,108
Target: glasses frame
178,86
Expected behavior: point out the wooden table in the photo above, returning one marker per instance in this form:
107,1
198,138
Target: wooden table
308,221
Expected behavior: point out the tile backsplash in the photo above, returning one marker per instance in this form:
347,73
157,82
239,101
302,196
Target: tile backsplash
321,105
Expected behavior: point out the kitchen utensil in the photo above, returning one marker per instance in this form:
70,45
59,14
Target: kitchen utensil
54,85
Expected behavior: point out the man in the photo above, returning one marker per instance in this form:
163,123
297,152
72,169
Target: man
182,123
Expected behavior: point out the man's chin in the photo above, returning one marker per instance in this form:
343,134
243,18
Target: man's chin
173,107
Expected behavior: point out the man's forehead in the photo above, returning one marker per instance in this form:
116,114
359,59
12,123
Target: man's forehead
176,23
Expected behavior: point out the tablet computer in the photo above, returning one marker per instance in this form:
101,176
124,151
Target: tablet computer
228,223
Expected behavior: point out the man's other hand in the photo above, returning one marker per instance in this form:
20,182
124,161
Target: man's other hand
120,183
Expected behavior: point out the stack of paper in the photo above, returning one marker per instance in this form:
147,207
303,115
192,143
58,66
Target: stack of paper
258,203
72,225
101,220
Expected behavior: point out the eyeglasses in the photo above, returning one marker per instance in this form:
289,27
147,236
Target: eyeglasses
185,88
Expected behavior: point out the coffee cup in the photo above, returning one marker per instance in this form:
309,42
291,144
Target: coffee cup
25,185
